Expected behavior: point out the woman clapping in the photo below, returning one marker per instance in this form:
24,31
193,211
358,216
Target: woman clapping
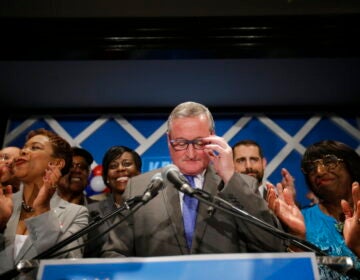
35,218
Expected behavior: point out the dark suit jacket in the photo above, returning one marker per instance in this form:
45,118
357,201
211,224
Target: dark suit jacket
157,228
97,237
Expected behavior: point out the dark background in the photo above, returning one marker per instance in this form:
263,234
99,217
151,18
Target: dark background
84,57
162,8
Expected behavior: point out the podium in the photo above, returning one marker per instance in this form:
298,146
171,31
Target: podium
259,266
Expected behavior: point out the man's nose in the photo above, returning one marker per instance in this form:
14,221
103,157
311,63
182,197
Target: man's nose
247,163
190,150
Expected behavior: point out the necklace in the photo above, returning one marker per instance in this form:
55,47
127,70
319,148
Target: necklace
339,226
26,207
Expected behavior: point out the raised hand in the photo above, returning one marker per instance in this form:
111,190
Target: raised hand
42,201
220,153
6,206
282,203
352,220
288,181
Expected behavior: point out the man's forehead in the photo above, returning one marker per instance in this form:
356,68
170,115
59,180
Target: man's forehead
248,149
10,150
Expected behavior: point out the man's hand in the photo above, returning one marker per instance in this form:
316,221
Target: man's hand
220,153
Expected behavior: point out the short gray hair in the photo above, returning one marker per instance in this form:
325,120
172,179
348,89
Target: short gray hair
191,109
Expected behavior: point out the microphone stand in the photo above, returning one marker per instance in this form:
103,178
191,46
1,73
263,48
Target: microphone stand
293,240
223,205
343,265
25,266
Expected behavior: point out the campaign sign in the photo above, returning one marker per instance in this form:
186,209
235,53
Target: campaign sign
276,266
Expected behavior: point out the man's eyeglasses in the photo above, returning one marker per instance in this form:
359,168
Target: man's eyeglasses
328,161
183,144
81,166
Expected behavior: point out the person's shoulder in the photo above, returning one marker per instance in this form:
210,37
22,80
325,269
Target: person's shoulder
102,207
108,199
58,202
309,208
94,206
76,207
139,183
249,180
146,175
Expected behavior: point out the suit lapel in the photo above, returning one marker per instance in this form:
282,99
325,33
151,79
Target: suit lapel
55,202
211,183
265,193
14,220
10,231
24,249
172,202
106,207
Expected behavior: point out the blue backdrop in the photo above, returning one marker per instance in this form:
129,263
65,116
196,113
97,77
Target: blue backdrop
283,137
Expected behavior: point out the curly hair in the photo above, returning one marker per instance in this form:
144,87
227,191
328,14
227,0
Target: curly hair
61,147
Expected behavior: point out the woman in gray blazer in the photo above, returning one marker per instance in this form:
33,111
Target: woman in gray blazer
35,218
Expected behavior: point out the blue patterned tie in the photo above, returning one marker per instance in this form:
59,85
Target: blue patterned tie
189,212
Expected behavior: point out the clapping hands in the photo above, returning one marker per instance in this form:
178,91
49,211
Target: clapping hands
352,220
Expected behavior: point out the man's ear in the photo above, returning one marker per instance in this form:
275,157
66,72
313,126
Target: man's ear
264,162
168,139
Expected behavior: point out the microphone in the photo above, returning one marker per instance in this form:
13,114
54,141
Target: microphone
133,204
172,173
156,184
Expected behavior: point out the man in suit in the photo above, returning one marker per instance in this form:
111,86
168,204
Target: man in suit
157,229
249,159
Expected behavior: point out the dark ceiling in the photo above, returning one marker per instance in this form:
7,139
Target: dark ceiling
172,8
62,58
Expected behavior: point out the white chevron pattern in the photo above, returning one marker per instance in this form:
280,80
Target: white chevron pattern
18,128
